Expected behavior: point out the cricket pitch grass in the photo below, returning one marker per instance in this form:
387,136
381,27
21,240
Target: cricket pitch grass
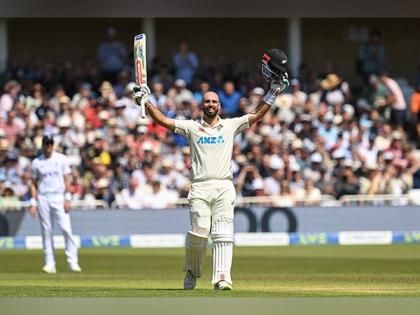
294,271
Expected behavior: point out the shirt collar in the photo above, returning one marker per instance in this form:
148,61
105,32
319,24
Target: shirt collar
219,122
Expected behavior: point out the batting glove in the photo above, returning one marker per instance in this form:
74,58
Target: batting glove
276,88
141,94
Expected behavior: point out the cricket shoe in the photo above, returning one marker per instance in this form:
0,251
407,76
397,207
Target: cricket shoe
75,268
189,281
49,269
223,286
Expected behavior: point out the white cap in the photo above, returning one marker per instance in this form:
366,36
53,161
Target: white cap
147,146
130,86
348,163
276,162
142,129
316,157
180,82
258,91
257,183
388,155
64,121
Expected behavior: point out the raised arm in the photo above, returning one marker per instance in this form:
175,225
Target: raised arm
142,94
276,88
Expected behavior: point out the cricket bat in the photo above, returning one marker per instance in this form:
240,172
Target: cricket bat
140,64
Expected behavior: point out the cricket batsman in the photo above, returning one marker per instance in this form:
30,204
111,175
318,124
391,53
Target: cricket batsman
51,197
212,194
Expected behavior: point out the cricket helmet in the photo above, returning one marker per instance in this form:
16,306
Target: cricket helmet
273,65
47,139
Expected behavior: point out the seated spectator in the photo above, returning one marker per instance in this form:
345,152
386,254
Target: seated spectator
8,199
160,198
131,197
347,183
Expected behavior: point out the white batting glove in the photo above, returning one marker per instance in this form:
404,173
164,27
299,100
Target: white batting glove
276,88
141,94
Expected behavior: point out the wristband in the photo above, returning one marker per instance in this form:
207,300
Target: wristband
67,196
33,202
270,97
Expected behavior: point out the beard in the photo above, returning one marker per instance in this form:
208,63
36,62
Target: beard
211,114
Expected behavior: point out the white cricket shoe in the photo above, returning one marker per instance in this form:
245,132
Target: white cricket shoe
75,268
189,281
223,286
49,269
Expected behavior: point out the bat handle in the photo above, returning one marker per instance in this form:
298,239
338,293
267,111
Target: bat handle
143,109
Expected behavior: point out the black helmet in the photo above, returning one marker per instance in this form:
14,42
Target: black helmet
47,139
273,65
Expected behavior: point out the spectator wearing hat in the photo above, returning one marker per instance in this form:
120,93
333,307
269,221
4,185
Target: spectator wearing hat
107,95
255,96
181,97
334,90
185,63
272,182
328,131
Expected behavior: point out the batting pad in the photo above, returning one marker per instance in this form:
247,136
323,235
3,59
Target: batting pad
222,230
195,251
222,235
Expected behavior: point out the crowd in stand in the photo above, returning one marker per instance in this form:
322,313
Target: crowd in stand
318,139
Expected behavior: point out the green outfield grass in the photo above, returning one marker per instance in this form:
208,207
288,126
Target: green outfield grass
295,271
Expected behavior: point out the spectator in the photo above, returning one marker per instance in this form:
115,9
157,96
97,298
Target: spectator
347,183
11,91
399,106
112,55
8,199
185,63
131,197
10,127
160,198
415,113
371,56
229,98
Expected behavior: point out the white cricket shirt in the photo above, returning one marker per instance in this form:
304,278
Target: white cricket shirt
49,173
211,147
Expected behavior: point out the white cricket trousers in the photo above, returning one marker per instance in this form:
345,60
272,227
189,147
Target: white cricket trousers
50,209
211,210
210,200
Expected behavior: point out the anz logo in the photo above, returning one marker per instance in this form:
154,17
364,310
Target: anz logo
211,140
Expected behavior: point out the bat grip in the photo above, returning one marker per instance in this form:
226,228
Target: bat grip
143,109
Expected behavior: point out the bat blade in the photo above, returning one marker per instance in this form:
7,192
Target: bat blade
140,63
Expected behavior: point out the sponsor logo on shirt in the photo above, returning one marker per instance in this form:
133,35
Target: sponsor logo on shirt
211,140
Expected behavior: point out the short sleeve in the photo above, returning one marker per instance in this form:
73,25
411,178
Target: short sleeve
239,124
66,166
183,127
